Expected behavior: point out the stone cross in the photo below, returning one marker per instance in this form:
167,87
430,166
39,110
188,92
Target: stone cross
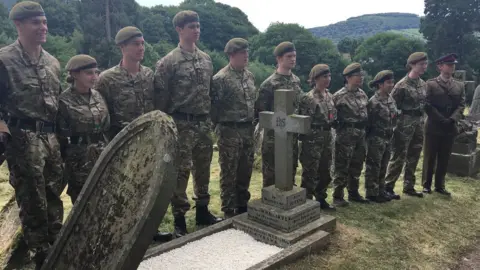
284,123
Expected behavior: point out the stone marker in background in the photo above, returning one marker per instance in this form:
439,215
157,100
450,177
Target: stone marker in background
474,110
460,75
283,215
124,199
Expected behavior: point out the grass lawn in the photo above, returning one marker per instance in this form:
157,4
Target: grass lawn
413,233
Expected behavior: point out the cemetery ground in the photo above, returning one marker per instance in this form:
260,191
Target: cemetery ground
429,233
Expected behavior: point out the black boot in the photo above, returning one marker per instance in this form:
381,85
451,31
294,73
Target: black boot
228,214
443,191
356,197
412,192
162,237
39,257
204,217
378,199
340,202
324,205
180,226
392,194
427,190
241,210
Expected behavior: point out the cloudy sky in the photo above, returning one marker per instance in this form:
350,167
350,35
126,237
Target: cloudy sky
308,13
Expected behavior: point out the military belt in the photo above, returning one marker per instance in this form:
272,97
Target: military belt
190,117
87,139
357,125
413,112
237,124
322,127
32,125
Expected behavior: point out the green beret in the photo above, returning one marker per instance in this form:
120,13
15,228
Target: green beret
382,76
25,10
235,45
352,68
127,33
416,57
319,70
283,48
185,17
447,59
81,62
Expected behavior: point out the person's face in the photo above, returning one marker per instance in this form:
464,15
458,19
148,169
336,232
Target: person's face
323,81
85,78
387,86
420,67
356,79
34,29
239,59
447,68
190,32
288,60
134,49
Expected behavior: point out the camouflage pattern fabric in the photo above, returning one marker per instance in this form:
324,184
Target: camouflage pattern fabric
382,113
85,116
316,147
233,97
182,85
352,116
265,102
29,90
407,144
127,96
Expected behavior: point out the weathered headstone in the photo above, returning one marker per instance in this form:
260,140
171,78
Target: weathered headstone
460,75
124,199
474,110
283,215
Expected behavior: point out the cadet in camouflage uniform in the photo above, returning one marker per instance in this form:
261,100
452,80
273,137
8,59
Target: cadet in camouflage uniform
128,88
445,103
382,113
316,151
283,78
233,99
409,95
29,90
182,88
351,103
82,120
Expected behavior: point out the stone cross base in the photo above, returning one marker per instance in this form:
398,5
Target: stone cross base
282,218
464,160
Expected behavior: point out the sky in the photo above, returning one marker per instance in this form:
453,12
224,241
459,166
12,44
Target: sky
308,13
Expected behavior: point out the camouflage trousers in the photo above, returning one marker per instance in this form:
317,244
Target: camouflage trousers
316,160
268,158
407,146
36,174
195,154
235,148
79,161
378,154
348,160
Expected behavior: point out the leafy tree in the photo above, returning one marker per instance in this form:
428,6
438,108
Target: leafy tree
7,29
62,16
349,45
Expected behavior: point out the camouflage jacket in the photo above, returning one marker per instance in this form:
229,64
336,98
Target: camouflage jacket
82,114
29,89
382,115
233,96
127,96
276,81
444,99
409,95
320,107
351,105
182,82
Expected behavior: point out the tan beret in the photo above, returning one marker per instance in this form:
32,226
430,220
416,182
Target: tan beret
185,17
283,48
319,70
416,57
25,10
382,76
81,62
235,45
352,68
127,33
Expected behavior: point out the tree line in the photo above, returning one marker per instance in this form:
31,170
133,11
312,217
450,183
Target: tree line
89,26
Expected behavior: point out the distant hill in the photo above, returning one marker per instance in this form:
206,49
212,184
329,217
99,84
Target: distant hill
369,25
8,3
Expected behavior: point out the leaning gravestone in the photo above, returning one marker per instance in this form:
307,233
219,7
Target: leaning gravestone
283,217
124,199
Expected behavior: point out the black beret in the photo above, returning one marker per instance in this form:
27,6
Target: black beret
283,48
25,10
127,33
184,17
81,62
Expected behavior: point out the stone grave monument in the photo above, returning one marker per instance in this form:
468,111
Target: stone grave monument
123,201
283,217
465,155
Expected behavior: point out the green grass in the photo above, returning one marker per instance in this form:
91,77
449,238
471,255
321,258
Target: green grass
412,233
